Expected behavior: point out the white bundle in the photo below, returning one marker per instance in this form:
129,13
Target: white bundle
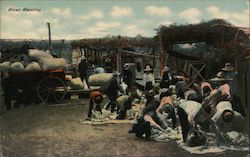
33,66
38,54
52,63
100,79
99,70
4,67
76,83
16,67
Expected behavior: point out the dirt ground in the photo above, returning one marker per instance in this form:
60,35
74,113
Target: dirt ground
48,131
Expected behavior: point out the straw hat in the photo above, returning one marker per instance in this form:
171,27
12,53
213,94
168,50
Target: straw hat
220,76
228,67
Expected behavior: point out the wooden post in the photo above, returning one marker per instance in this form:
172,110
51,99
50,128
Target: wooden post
118,60
162,56
50,45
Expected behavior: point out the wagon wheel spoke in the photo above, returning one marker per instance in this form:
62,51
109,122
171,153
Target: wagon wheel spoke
46,83
47,97
42,91
54,96
45,94
51,89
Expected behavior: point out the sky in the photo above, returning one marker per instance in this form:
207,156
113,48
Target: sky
75,19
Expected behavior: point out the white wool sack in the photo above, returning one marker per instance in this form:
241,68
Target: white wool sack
99,70
4,67
100,79
76,83
52,63
37,54
33,66
16,67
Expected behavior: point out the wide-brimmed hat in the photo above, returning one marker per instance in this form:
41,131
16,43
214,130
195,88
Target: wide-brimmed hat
228,67
115,73
166,68
220,76
148,68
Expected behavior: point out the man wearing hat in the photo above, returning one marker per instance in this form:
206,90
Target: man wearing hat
148,77
112,92
83,69
166,78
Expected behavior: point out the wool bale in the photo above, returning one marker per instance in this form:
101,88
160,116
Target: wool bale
99,70
100,79
37,54
16,67
76,83
33,66
52,63
4,67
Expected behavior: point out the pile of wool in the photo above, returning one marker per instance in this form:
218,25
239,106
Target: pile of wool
76,83
38,54
16,67
52,63
100,79
236,141
4,67
33,66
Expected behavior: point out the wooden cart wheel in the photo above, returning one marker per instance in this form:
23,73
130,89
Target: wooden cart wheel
51,89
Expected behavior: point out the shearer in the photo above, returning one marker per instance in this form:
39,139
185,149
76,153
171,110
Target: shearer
190,114
96,98
166,107
226,119
124,102
148,118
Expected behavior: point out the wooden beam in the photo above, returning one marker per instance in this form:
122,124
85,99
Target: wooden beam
140,54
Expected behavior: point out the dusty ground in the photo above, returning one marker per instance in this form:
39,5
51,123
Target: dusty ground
45,131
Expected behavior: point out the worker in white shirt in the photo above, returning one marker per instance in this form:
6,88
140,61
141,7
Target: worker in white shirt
148,78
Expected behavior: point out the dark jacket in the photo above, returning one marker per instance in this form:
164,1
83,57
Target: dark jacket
113,88
166,80
83,68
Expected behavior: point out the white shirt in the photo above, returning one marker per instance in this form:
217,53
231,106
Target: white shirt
191,108
148,77
194,111
220,107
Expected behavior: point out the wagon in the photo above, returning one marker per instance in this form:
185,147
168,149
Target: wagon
46,86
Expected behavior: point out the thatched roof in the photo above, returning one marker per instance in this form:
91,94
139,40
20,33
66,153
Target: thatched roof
114,42
217,33
204,31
